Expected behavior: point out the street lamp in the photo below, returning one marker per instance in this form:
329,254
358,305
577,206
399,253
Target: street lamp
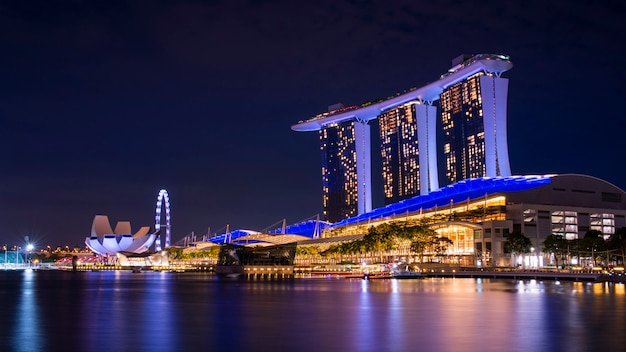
29,248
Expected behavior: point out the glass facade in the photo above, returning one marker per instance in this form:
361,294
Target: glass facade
232,255
529,216
464,132
565,224
339,171
10,257
602,222
400,154
462,238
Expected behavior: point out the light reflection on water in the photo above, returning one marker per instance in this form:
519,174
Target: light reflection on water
98,311
26,331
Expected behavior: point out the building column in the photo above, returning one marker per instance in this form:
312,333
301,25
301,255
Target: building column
494,91
426,144
364,166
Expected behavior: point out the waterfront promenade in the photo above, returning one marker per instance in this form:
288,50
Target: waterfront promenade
528,274
435,272
492,273
520,274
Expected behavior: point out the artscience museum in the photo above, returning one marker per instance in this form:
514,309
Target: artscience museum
106,241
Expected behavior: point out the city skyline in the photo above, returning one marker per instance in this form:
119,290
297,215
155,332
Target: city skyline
104,105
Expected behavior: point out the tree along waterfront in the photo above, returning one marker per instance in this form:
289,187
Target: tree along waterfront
420,244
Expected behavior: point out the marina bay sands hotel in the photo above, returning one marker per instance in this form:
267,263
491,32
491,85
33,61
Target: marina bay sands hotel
472,100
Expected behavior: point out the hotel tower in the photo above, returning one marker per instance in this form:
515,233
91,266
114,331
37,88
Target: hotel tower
345,152
408,150
473,114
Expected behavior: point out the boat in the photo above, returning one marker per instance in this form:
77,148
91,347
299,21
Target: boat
377,275
404,271
406,275
354,276
392,271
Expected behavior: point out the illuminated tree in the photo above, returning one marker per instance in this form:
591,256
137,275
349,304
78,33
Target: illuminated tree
557,245
617,243
383,238
517,243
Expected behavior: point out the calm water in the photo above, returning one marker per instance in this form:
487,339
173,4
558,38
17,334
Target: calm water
123,311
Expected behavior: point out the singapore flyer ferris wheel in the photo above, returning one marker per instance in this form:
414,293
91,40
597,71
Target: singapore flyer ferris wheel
163,199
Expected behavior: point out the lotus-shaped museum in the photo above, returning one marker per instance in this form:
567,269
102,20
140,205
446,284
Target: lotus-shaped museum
105,241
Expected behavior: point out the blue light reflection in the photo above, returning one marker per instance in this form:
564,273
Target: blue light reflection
27,336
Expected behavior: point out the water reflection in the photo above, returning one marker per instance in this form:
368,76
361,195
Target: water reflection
364,325
26,335
137,308
169,311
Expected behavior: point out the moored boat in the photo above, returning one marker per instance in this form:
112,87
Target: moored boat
404,271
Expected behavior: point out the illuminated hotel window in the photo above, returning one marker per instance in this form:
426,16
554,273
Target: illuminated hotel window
565,223
558,220
602,222
399,152
529,216
464,149
339,178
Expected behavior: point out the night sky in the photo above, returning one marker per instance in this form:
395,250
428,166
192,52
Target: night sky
102,104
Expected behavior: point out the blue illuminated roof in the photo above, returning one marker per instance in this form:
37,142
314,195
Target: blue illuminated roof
455,193
230,236
305,228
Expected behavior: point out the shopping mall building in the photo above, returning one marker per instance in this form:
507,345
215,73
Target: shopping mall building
477,215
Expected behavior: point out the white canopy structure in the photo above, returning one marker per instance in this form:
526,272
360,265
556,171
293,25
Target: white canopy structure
105,241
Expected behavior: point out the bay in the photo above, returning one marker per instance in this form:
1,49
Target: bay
165,311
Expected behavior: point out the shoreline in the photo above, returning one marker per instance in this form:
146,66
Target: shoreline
496,274
465,273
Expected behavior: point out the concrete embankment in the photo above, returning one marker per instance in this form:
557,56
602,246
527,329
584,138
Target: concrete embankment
519,275
444,270
454,271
